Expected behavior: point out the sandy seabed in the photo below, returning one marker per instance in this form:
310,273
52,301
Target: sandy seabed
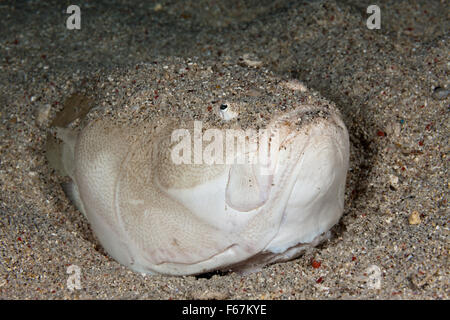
391,86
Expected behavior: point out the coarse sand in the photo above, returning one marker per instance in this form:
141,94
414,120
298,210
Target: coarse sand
390,84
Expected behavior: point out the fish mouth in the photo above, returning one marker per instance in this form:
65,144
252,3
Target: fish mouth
282,131
275,151
317,155
302,115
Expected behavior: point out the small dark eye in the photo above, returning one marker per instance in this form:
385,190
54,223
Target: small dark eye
223,107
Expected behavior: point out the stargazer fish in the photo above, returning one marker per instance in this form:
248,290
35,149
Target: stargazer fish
183,169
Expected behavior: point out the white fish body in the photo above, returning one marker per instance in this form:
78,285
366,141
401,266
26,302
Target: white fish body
158,217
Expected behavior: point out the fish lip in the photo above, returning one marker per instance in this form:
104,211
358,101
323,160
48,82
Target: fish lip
304,114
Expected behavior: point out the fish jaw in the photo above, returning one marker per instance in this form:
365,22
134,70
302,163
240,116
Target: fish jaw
316,201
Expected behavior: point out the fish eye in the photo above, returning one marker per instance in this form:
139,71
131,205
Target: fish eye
227,111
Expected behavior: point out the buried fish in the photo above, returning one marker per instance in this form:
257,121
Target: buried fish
154,175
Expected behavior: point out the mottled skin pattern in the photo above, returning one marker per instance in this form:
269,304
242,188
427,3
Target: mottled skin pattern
158,217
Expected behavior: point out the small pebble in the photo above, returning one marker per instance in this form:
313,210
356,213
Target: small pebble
42,114
295,85
393,128
157,7
393,179
251,60
414,218
440,93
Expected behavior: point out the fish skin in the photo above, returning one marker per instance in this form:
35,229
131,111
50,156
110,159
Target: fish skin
160,218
